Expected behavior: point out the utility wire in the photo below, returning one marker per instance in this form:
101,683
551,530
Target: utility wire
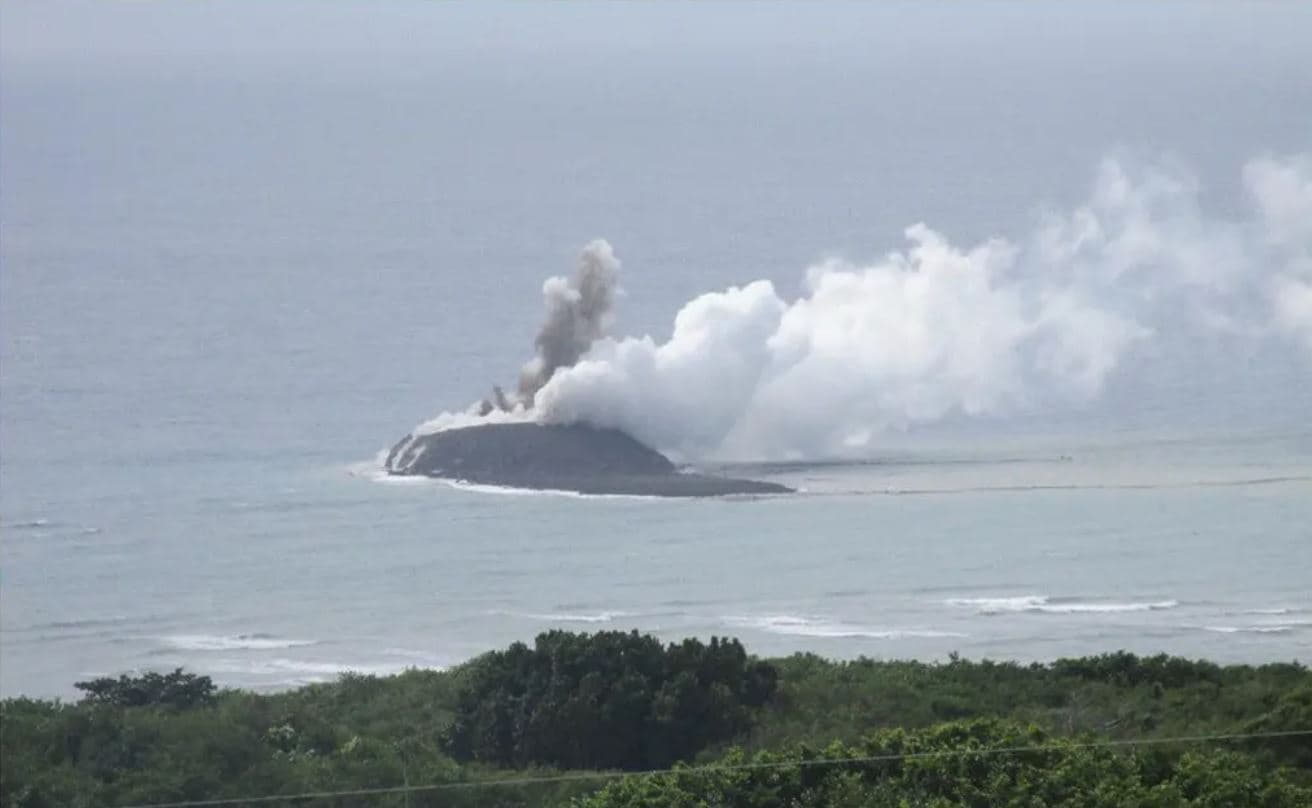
716,769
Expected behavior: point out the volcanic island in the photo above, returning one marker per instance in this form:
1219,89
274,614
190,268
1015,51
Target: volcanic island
558,457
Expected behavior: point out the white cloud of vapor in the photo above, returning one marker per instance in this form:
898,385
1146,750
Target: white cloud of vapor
937,330
911,338
1282,190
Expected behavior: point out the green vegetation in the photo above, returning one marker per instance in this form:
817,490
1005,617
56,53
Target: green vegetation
615,701
1046,771
1116,696
607,701
176,689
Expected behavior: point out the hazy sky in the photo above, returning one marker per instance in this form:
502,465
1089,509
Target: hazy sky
402,36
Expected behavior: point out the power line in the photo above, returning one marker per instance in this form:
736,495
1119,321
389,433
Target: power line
715,769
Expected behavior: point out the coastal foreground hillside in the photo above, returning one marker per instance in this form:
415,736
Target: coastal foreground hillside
620,719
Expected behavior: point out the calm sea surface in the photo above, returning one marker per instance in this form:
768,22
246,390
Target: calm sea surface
243,249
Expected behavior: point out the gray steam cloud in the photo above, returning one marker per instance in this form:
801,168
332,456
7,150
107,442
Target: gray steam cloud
579,312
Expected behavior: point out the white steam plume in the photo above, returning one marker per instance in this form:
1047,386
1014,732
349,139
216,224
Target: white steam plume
933,330
916,336
1283,193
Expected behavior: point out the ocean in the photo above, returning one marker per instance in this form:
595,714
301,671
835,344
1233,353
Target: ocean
243,249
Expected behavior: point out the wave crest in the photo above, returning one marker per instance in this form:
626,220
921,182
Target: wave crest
599,617
796,626
237,642
1276,629
1045,605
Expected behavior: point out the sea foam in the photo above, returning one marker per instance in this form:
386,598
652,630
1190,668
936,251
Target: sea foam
303,670
1275,629
599,617
237,642
797,626
1045,605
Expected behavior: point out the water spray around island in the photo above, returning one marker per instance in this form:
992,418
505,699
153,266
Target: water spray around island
929,331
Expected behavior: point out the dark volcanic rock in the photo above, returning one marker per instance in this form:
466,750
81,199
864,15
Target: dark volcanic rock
566,458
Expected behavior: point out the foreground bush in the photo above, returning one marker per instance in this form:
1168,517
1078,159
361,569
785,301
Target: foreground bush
173,736
178,690
606,701
935,772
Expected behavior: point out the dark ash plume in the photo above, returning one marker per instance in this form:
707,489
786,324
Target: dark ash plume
578,313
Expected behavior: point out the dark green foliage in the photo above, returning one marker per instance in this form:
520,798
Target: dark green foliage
609,700
166,737
358,732
1126,669
1116,695
180,690
938,774
1292,712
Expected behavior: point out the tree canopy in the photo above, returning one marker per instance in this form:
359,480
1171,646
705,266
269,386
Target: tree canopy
576,703
610,700
959,764
176,689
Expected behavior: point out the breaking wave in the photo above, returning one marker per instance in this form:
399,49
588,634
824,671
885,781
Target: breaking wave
599,617
237,642
1273,629
811,627
505,490
375,472
30,524
1044,604
301,669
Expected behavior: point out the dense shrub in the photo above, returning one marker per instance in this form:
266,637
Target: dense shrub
609,700
951,765
1124,668
177,689
171,736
